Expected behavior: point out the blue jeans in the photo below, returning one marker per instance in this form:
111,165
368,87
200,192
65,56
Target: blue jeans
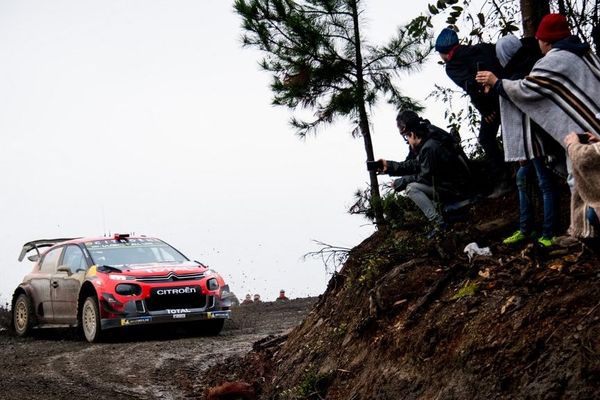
544,180
592,218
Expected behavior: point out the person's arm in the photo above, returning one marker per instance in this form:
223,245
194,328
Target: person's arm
490,80
484,102
408,167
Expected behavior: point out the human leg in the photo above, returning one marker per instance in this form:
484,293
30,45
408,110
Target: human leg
421,195
524,206
495,157
592,218
546,186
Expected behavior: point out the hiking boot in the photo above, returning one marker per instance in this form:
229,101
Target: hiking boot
546,242
516,237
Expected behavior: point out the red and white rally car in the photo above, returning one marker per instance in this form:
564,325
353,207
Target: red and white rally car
103,283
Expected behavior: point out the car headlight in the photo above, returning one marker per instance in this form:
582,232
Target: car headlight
128,289
212,284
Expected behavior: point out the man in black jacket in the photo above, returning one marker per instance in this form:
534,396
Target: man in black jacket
436,173
462,63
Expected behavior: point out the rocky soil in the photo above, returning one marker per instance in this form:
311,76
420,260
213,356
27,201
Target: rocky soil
163,363
408,318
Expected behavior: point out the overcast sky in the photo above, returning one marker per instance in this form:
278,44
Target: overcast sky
149,117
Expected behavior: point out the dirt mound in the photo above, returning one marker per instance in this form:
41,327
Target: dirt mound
409,319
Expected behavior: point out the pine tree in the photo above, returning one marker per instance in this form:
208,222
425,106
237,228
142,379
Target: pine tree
320,61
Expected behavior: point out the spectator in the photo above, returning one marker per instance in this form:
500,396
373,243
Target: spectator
257,298
436,174
461,64
247,300
562,91
523,141
586,171
282,296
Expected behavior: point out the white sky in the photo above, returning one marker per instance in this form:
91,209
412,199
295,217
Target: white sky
148,116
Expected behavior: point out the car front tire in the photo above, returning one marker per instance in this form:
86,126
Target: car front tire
23,315
90,320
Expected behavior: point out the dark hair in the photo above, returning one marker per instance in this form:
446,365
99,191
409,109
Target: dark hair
409,121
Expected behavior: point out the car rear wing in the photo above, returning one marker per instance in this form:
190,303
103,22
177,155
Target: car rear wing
37,244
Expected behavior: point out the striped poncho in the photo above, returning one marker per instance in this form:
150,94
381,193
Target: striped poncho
561,94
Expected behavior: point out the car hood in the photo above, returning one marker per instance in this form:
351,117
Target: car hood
163,269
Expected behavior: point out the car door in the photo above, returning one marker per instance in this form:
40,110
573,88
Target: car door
65,284
40,285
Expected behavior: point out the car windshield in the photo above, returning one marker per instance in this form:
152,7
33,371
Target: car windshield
133,251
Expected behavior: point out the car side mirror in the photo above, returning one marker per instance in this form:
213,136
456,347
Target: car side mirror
64,268
34,257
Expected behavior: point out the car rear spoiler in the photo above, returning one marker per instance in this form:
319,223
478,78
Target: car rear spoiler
37,244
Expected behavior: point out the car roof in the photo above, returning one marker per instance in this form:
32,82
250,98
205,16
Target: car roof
43,243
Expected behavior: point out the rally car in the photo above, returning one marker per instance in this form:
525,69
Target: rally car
103,283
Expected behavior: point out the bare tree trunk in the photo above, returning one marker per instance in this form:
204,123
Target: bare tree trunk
364,119
596,29
532,12
562,9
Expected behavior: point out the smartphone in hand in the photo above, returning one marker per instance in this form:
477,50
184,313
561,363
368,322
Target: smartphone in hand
583,138
375,165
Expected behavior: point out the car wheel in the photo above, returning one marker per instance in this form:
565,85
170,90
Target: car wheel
212,327
90,320
23,315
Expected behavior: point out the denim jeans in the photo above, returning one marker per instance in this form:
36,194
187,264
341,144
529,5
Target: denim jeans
592,218
544,180
422,195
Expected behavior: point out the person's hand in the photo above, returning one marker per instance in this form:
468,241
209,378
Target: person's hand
385,165
490,117
486,78
592,138
571,138
399,184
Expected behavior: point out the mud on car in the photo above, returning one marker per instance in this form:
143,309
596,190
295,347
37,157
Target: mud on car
98,284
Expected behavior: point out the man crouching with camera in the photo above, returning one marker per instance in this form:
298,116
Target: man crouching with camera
434,174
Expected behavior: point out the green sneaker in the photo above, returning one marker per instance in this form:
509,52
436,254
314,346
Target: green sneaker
516,237
546,242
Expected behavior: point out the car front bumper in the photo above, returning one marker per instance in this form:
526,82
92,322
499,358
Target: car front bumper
158,317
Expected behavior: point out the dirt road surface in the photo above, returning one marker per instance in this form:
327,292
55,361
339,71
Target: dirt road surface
159,363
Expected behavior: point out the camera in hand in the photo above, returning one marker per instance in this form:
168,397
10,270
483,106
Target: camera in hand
375,165
583,138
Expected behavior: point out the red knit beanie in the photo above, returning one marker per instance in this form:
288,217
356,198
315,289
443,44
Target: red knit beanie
553,27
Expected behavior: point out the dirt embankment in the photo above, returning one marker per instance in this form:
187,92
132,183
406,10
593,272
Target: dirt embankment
158,363
411,319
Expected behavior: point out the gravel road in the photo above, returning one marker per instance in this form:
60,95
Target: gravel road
158,363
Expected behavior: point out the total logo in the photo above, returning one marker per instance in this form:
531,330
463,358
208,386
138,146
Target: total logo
185,290
178,311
